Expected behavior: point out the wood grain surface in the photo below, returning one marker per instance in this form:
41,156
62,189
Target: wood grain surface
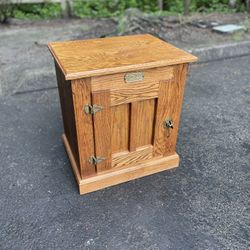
116,176
133,128
133,93
174,103
116,81
84,124
86,58
169,107
130,158
145,122
128,132
120,128
68,114
102,129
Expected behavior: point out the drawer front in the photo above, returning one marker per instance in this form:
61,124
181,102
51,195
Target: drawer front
118,81
130,127
132,86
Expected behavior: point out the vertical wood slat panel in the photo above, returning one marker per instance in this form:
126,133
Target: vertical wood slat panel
133,126
66,100
145,122
102,129
169,106
175,105
142,123
84,124
120,128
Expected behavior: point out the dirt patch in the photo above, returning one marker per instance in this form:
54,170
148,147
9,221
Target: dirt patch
185,32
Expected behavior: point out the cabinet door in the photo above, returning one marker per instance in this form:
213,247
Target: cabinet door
130,127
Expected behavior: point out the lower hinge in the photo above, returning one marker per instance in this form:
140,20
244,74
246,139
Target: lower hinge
92,109
95,160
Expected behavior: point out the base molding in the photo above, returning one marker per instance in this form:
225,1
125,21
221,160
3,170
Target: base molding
116,176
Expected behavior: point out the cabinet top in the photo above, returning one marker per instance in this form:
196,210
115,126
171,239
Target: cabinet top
103,56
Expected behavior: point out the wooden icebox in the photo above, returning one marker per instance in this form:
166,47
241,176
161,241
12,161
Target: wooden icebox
121,101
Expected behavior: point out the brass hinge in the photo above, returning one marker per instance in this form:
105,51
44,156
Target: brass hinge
92,109
95,160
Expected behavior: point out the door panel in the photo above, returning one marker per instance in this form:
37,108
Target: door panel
145,122
120,128
133,126
129,128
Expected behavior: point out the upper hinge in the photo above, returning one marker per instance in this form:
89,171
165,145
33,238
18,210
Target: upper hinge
92,109
95,160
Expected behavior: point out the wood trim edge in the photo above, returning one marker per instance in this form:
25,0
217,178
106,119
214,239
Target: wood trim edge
57,61
111,178
127,68
71,159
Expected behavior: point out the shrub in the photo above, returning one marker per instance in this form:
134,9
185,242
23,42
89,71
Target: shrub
37,11
6,10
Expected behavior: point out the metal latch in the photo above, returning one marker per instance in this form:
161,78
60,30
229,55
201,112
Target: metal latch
92,109
168,123
95,160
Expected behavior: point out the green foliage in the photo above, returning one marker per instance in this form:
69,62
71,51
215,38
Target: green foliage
173,6
37,11
108,8
6,10
217,6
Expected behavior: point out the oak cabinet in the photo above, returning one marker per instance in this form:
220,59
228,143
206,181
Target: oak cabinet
121,101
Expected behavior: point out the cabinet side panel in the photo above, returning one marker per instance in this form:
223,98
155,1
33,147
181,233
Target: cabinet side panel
65,94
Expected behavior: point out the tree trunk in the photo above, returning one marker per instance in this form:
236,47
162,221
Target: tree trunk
248,5
160,5
186,7
232,4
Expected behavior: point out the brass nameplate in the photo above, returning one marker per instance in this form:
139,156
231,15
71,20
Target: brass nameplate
134,77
